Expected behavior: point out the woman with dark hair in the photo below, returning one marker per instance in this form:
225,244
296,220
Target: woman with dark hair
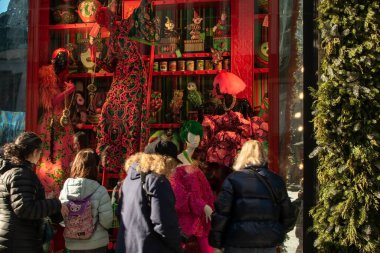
22,197
83,185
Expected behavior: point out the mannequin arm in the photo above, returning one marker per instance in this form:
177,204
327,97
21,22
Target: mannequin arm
70,88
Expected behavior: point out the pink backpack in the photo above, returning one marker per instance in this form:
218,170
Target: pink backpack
79,223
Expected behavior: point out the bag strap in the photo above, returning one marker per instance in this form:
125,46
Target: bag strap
148,194
266,184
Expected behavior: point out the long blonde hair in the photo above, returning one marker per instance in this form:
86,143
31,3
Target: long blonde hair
159,164
252,153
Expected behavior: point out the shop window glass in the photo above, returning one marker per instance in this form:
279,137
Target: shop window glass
291,109
13,60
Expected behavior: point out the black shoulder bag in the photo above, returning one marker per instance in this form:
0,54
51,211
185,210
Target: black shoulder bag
267,185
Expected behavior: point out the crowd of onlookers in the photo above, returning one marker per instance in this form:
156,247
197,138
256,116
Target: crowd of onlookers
252,212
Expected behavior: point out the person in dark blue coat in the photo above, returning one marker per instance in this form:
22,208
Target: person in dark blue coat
148,220
253,211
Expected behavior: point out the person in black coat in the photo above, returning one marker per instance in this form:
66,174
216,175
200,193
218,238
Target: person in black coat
148,220
253,211
22,197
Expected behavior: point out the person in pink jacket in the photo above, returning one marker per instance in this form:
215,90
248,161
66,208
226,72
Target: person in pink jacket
194,197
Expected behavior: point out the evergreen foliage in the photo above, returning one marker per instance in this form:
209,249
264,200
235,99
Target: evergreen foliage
347,127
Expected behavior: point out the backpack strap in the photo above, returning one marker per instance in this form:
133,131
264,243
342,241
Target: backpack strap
148,194
267,185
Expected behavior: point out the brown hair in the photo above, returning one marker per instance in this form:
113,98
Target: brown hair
24,146
85,165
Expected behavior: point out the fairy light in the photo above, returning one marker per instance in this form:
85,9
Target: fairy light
297,115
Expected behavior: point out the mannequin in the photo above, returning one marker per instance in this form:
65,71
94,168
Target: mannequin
56,96
194,198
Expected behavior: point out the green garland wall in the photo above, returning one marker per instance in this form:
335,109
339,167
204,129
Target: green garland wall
347,127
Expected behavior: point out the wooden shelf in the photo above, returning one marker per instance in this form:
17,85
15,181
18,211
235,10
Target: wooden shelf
188,73
260,70
187,55
89,75
71,26
169,2
165,125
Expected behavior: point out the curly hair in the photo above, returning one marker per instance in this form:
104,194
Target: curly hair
24,145
162,165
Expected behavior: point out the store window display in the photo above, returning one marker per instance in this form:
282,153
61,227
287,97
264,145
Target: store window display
56,97
124,119
194,198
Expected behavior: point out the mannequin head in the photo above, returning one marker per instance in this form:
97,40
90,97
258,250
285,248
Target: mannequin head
191,133
60,60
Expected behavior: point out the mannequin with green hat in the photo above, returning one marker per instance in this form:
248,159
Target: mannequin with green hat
194,197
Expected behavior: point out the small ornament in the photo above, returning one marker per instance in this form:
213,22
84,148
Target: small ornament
217,56
155,105
87,10
196,27
64,120
169,31
176,104
194,96
220,29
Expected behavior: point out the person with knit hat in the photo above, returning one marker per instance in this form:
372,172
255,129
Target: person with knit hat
148,221
194,197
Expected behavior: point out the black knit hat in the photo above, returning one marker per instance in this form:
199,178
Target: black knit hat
161,147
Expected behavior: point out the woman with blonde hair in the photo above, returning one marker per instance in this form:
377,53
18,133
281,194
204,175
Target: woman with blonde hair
148,220
253,211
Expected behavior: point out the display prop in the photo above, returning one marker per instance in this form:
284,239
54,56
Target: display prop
221,31
262,57
196,42
64,14
176,105
169,42
155,105
87,10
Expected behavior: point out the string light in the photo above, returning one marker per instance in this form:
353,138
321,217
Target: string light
297,115
300,95
300,128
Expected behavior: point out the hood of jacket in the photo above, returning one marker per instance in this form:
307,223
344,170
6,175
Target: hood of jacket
80,188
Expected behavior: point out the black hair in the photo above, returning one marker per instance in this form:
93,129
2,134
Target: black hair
25,144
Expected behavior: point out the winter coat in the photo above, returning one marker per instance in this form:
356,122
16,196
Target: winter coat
22,208
245,214
192,193
144,228
78,189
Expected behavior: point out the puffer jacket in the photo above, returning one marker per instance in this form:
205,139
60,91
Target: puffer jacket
245,214
22,208
144,228
78,189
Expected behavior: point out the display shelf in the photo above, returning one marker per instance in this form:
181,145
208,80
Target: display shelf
188,73
171,2
188,55
88,75
165,126
260,70
78,26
